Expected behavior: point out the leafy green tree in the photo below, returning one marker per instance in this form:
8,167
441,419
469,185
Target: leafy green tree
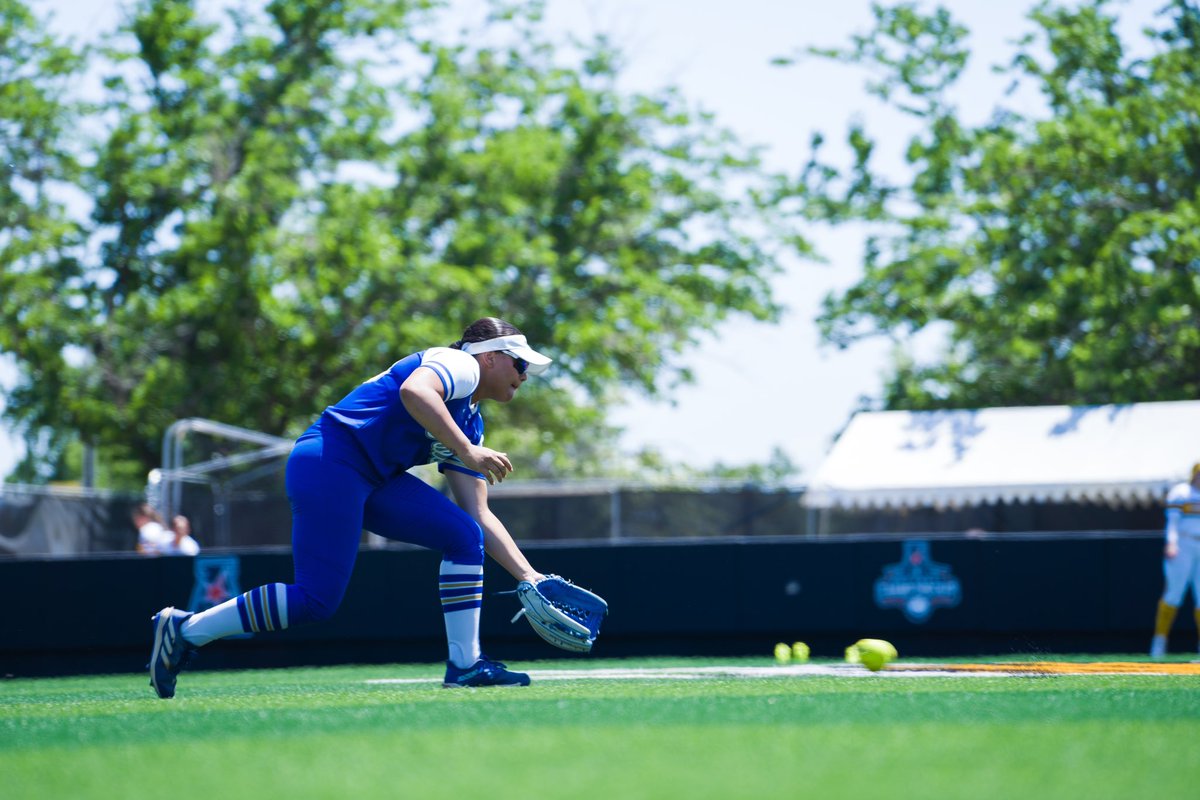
286,200
1058,252
37,235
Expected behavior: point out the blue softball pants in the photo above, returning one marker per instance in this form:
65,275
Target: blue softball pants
335,493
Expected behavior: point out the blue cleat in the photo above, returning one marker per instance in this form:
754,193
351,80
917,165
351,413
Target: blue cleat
483,672
171,652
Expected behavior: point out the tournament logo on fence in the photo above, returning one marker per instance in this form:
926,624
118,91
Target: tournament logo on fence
917,584
216,581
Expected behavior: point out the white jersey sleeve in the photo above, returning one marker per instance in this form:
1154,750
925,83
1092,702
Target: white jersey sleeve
458,371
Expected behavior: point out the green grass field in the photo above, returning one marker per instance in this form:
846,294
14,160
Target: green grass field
330,733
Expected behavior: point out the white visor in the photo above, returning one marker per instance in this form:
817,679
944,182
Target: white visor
514,345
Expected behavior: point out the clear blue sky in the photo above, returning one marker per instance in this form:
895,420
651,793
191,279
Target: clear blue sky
718,53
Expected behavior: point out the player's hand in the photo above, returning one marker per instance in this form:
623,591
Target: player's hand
492,463
1171,550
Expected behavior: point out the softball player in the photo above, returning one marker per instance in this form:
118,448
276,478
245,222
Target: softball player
349,471
1181,558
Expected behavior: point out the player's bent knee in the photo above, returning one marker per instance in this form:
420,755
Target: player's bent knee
464,543
315,607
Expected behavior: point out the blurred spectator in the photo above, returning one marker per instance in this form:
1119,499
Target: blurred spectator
154,539
151,533
182,542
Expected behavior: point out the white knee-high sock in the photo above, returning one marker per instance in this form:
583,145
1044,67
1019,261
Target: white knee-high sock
461,589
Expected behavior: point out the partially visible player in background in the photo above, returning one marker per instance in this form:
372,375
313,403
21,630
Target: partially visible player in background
1181,558
349,471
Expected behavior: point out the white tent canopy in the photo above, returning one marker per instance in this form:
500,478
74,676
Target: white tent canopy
1114,454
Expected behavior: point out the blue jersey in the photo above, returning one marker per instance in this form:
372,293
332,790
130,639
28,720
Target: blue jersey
388,435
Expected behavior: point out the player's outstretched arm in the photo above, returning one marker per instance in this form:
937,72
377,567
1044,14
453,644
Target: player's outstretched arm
471,495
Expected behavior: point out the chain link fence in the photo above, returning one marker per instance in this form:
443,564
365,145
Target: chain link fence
41,521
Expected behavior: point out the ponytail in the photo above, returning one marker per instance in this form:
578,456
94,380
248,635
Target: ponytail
483,329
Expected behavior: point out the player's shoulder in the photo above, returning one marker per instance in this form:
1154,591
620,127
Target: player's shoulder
448,355
1181,491
455,361
458,371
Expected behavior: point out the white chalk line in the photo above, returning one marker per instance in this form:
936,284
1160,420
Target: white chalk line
699,673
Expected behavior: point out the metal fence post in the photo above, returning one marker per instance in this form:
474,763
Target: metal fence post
614,505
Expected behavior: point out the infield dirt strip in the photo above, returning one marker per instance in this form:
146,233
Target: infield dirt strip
1061,668
897,670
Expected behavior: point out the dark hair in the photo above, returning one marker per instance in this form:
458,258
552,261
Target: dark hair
483,329
144,510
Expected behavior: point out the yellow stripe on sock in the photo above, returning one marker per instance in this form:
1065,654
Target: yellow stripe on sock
250,611
462,598
266,606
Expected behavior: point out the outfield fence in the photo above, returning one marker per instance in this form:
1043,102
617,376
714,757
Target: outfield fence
40,521
993,594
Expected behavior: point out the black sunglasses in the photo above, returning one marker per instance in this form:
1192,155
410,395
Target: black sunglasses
520,363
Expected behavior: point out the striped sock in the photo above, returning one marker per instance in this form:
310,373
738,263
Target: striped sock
461,590
264,608
261,609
